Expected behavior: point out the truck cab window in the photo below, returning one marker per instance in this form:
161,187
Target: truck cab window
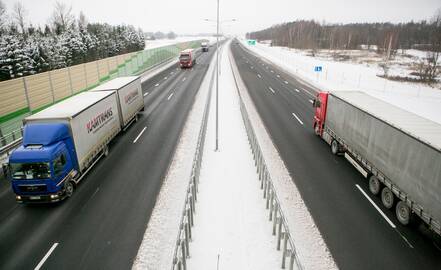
59,163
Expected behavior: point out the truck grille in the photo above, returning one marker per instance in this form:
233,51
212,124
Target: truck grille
35,188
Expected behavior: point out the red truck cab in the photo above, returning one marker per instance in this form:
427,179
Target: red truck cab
320,103
187,58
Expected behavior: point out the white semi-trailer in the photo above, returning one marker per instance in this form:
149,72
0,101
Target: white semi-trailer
129,96
398,151
61,144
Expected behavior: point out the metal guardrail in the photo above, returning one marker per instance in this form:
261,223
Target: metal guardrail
276,215
182,250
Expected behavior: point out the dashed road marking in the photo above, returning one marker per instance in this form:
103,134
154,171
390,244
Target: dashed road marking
297,90
157,84
169,97
311,101
285,82
146,93
376,207
184,79
139,135
298,119
258,75
40,264
278,76
272,90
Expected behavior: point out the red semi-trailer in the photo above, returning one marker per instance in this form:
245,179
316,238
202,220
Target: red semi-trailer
397,151
187,58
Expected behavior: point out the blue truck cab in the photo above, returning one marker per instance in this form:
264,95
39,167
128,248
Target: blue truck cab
41,169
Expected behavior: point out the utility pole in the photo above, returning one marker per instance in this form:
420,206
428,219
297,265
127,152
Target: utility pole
217,80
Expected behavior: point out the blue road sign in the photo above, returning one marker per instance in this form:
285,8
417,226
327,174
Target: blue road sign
318,68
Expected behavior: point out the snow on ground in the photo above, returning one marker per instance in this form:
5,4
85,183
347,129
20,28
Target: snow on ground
309,243
231,221
151,44
156,250
420,99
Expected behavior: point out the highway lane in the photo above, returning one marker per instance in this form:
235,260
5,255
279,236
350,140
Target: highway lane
356,233
102,225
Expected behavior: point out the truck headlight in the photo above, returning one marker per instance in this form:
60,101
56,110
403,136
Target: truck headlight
54,196
18,198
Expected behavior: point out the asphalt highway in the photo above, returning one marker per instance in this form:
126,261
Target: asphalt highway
357,234
101,226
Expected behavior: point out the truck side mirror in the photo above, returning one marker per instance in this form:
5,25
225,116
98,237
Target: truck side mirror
316,103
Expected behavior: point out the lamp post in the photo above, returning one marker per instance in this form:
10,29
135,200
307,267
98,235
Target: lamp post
217,73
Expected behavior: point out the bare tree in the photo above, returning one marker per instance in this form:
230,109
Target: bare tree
2,14
19,14
62,17
82,21
385,66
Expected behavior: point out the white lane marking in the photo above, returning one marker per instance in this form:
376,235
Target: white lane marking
252,67
139,135
146,93
285,82
298,119
272,71
278,76
169,97
172,72
297,90
157,84
183,79
258,75
272,90
40,264
165,78
376,207
311,101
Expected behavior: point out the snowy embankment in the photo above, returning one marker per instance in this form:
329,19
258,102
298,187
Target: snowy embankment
310,246
156,250
341,76
231,224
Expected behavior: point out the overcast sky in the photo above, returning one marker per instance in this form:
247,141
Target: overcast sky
187,16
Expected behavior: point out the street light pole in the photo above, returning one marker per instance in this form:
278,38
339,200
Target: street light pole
217,80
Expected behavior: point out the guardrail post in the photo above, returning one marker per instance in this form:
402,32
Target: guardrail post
285,243
291,259
275,218
186,235
189,222
183,258
280,233
271,199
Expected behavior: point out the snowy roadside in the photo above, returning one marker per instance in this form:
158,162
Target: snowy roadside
422,100
156,249
310,245
231,226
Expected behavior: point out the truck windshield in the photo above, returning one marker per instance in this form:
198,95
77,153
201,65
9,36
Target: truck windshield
26,171
184,57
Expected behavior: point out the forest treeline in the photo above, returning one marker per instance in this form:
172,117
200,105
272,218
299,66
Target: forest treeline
66,40
310,34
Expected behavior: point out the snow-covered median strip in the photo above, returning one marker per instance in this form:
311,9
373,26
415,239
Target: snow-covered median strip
310,246
158,244
231,229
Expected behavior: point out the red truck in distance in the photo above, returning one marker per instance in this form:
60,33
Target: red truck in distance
187,58
397,151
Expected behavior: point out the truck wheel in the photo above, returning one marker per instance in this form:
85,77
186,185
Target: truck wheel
317,129
403,213
69,188
106,151
387,197
334,147
374,185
